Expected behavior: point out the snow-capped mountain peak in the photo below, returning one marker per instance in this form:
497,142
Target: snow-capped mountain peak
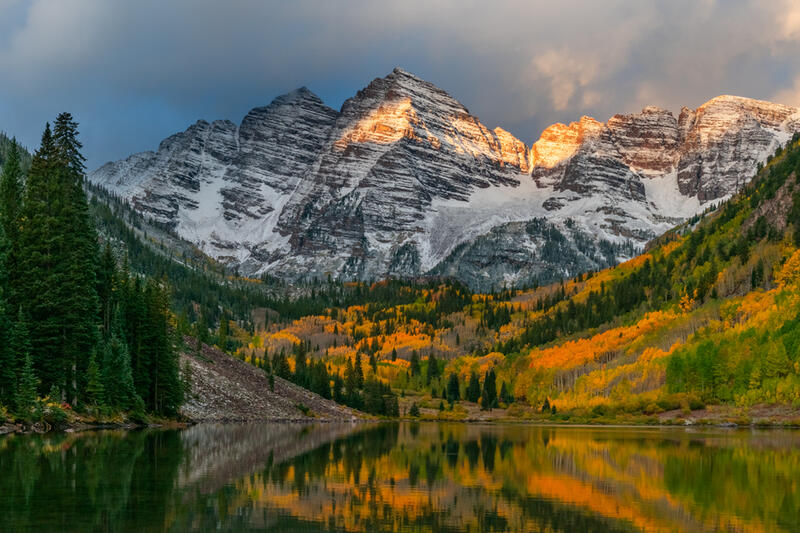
403,180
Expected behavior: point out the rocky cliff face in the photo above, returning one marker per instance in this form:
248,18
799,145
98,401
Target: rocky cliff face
403,180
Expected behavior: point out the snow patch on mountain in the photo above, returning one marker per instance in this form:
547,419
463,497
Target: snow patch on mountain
403,181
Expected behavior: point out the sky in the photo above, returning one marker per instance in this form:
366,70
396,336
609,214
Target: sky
135,71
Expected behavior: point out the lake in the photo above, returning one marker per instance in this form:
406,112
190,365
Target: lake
402,477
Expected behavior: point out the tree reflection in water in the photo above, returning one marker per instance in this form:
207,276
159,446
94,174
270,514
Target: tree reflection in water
401,477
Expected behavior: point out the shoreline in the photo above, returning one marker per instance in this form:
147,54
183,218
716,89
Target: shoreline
42,429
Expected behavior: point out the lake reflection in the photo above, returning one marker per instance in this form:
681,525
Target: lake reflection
402,477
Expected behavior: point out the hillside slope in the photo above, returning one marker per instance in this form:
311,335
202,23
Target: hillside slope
226,389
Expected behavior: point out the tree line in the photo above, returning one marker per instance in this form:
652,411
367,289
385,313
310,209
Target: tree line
75,327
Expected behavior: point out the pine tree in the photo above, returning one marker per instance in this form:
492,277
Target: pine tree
351,381
106,281
505,395
359,370
473,393
79,258
489,395
11,191
453,388
57,262
414,411
19,349
95,392
300,367
222,335
10,220
320,381
414,364
40,242
338,386
8,366
280,365
166,393
26,388
116,371
433,368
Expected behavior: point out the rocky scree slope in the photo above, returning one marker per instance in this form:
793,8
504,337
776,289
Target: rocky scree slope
404,181
224,389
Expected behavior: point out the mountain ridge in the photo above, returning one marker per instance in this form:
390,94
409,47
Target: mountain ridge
403,175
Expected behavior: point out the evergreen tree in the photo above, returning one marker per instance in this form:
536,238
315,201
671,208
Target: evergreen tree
414,364
26,388
505,395
57,262
106,282
79,259
117,373
433,368
359,370
453,388
11,196
320,381
280,365
8,366
11,192
40,242
473,393
414,411
300,366
222,335
489,395
166,388
95,392
18,349
352,386
338,386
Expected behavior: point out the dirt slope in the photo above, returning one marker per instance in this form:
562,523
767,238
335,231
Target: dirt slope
226,389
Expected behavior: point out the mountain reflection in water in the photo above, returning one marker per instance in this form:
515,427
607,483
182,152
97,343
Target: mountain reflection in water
401,477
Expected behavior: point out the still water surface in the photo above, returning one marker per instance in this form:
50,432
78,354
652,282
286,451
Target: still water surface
402,477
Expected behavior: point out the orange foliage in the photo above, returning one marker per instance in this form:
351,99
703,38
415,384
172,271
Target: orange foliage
578,352
789,275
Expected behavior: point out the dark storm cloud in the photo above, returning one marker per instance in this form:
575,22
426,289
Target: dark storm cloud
135,71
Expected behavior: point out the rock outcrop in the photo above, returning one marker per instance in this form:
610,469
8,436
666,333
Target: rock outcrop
404,181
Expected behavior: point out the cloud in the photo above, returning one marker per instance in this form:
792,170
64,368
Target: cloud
565,73
135,72
789,95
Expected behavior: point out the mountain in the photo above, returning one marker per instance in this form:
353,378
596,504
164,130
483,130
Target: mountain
705,325
404,181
